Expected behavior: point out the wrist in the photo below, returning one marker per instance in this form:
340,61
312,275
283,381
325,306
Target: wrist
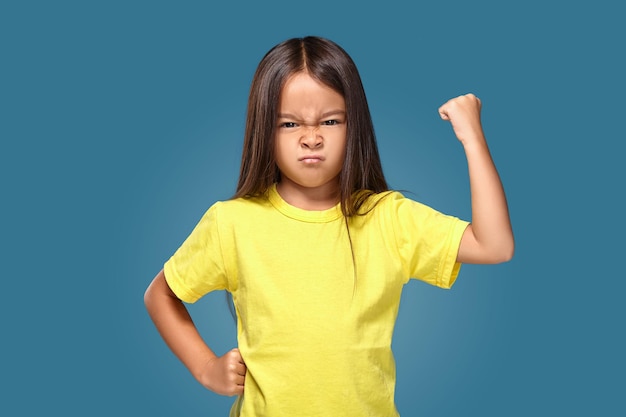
201,370
476,142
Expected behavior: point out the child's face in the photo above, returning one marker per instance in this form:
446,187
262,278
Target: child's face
311,134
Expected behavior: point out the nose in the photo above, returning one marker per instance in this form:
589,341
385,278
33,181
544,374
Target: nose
311,138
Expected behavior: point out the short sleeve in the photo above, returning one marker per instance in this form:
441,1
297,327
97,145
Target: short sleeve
428,241
197,267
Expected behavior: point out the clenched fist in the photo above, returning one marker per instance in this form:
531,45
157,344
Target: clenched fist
225,375
463,112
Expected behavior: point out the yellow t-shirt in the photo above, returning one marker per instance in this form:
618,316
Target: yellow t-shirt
314,324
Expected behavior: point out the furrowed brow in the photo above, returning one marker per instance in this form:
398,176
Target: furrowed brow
333,113
323,116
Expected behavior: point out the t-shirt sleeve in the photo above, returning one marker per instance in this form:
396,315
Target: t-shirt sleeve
197,267
428,241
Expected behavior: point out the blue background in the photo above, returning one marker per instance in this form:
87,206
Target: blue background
121,122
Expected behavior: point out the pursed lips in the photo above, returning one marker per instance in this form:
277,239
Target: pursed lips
310,159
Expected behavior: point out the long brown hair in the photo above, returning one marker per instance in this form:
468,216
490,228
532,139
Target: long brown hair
329,64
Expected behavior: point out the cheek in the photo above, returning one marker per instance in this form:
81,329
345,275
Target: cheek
343,146
279,146
283,152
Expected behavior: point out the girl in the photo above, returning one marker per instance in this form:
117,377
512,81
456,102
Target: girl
314,248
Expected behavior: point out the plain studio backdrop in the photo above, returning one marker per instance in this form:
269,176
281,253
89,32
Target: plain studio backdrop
122,122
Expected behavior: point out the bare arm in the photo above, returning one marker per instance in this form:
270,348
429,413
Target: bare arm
489,239
224,375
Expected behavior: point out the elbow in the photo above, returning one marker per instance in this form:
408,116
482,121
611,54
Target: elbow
504,253
493,251
147,298
506,257
496,254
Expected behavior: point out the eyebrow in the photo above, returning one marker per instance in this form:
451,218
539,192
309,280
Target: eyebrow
324,115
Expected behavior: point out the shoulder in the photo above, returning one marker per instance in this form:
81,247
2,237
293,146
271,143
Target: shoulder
402,211
387,202
238,208
240,204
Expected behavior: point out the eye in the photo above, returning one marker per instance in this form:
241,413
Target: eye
332,122
288,125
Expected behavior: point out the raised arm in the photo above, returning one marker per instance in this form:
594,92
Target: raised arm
489,238
224,375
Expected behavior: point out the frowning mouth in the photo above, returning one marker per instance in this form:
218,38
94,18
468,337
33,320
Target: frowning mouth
310,159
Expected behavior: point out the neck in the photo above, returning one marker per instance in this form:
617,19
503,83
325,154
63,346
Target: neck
309,198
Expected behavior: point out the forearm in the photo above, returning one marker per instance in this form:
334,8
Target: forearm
176,326
491,227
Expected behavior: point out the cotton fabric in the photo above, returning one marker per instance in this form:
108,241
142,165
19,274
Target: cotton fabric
316,300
